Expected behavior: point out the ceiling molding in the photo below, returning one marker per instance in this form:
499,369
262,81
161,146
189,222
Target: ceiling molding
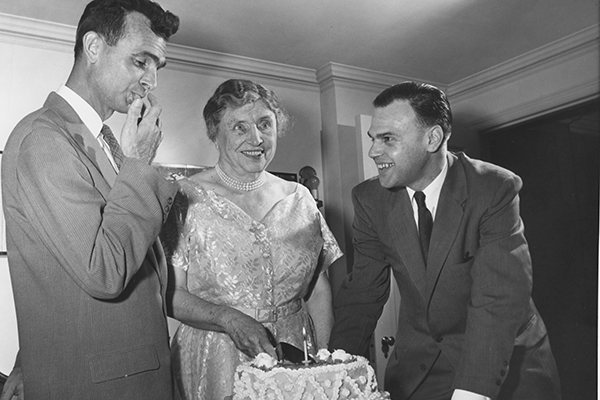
349,77
519,68
36,33
59,37
34,28
564,72
205,61
560,51
545,105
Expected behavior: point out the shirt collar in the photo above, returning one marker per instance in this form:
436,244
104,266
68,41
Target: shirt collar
84,110
433,190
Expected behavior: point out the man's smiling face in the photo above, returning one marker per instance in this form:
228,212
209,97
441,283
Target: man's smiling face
400,145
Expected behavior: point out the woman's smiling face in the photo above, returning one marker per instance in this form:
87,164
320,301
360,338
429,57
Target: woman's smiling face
247,140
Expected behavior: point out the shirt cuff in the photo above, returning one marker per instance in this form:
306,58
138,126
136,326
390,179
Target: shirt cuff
460,394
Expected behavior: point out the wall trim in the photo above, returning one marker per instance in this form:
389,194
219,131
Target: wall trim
60,37
582,42
548,104
576,46
49,35
349,77
580,49
35,33
21,27
205,61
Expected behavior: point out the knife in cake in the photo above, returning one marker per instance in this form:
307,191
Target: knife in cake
293,354
276,344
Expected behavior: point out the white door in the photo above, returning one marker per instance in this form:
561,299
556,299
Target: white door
8,320
385,332
384,337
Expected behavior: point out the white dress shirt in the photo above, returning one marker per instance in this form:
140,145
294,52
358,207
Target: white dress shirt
432,194
89,116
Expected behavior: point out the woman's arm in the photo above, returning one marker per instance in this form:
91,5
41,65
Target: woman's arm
249,336
321,311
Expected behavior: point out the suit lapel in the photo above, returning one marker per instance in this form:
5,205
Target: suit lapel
406,238
81,135
447,220
89,146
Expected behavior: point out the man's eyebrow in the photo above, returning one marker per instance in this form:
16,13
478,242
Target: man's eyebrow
159,63
378,135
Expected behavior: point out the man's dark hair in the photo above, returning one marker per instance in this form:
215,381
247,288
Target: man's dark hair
107,18
429,103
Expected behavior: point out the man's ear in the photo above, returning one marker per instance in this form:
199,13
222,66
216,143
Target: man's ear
92,46
435,138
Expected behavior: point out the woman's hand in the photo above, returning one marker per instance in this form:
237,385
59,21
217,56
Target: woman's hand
249,336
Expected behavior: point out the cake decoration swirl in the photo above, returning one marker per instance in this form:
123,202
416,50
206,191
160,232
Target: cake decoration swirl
332,375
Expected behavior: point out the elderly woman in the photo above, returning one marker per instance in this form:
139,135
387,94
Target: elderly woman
251,251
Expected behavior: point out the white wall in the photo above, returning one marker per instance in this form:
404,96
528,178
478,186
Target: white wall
8,321
183,95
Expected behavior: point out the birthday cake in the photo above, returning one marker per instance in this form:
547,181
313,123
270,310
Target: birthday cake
336,376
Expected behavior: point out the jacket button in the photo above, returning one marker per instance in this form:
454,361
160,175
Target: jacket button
499,382
439,339
423,367
502,373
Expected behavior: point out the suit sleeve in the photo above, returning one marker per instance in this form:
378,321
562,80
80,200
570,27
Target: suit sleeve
101,242
500,294
363,293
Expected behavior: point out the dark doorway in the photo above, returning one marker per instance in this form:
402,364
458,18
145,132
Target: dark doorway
557,158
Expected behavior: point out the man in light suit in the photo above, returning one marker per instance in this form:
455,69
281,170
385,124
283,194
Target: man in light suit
88,273
467,326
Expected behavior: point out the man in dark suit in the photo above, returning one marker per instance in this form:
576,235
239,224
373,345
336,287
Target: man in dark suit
467,326
83,217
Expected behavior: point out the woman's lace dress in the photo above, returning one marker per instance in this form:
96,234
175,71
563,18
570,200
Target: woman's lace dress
232,259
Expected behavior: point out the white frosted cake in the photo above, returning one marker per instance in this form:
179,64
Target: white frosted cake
333,376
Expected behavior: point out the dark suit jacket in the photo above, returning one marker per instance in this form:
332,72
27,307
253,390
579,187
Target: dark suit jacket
471,302
88,274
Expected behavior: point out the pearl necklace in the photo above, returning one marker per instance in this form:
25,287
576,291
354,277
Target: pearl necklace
239,185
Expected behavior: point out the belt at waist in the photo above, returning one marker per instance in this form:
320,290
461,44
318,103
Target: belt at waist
271,314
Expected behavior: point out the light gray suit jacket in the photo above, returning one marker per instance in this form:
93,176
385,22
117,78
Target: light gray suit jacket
88,274
471,302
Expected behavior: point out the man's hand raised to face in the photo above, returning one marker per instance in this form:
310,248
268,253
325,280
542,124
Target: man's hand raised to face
141,140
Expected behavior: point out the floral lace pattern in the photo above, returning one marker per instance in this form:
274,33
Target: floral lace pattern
234,260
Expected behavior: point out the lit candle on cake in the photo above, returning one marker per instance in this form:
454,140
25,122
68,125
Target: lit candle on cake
305,345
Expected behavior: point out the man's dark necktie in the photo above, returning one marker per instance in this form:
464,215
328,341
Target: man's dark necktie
425,223
114,146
